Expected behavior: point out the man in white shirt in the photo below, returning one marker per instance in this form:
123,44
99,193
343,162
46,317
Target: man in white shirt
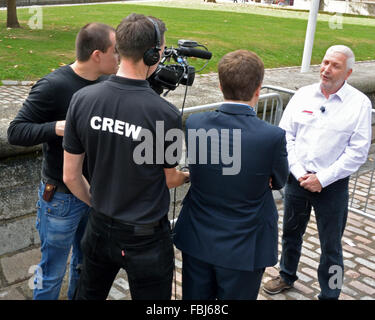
328,133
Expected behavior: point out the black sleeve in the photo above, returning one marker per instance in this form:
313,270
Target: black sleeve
280,168
71,140
33,124
175,145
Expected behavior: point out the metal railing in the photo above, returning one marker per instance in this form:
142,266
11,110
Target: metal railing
268,108
362,188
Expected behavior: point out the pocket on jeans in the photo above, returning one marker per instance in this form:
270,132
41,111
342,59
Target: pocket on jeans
57,208
150,263
61,226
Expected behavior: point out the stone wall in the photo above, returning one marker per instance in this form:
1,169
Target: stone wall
358,7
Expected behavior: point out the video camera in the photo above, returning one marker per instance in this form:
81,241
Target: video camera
169,76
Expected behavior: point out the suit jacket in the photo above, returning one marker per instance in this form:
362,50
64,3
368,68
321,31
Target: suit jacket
231,220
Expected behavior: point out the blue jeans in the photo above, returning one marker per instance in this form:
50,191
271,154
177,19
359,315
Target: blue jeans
331,210
61,224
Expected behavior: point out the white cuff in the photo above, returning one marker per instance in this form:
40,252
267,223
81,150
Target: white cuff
324,178
297,170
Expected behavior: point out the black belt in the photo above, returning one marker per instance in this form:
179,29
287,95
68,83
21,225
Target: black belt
137,229
59,187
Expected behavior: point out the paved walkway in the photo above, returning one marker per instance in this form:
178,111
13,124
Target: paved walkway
359,260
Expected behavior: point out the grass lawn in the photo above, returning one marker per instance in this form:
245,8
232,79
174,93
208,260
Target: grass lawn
27,54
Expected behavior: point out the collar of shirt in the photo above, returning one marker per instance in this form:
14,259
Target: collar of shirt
341,93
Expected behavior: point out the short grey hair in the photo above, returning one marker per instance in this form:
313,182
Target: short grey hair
350,58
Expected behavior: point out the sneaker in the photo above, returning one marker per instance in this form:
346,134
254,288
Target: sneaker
276,285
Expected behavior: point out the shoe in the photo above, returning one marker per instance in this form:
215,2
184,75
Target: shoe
276,285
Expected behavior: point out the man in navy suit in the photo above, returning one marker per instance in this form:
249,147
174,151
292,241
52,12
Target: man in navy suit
227,229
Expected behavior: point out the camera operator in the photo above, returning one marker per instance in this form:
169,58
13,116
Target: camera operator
128,225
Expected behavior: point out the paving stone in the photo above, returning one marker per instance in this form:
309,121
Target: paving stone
311,272
261,297
272,271
369,281
366,263
362,239
367,272
370,229
307,245
116,294
369,222
309,262
367,248
11,293
347,254
354,223
121,282
302,277
344,296
349,264
352,274
314,240
358,231
363,287
352,250
310,253
345,289
297,296
302,288
279,296
16,268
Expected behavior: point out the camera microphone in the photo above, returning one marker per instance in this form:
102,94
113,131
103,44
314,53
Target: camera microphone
192,52
323,109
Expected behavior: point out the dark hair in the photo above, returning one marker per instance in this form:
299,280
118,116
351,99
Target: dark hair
93,36
136,34
241,72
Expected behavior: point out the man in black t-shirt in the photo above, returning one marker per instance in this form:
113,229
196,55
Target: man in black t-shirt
61,217
121,126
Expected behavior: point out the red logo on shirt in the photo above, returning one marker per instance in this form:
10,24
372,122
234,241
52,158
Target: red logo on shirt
307,111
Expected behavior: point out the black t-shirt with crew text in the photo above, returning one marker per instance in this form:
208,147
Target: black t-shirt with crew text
120,124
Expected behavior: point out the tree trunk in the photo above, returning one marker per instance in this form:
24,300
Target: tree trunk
321,5
211,1
12,20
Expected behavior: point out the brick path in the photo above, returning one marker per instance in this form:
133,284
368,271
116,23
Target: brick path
358,244
359,260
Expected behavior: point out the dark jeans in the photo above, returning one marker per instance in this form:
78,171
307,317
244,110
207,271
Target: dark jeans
145,253
205,281
331,210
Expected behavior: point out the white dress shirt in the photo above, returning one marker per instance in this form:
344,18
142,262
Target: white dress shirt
330,137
